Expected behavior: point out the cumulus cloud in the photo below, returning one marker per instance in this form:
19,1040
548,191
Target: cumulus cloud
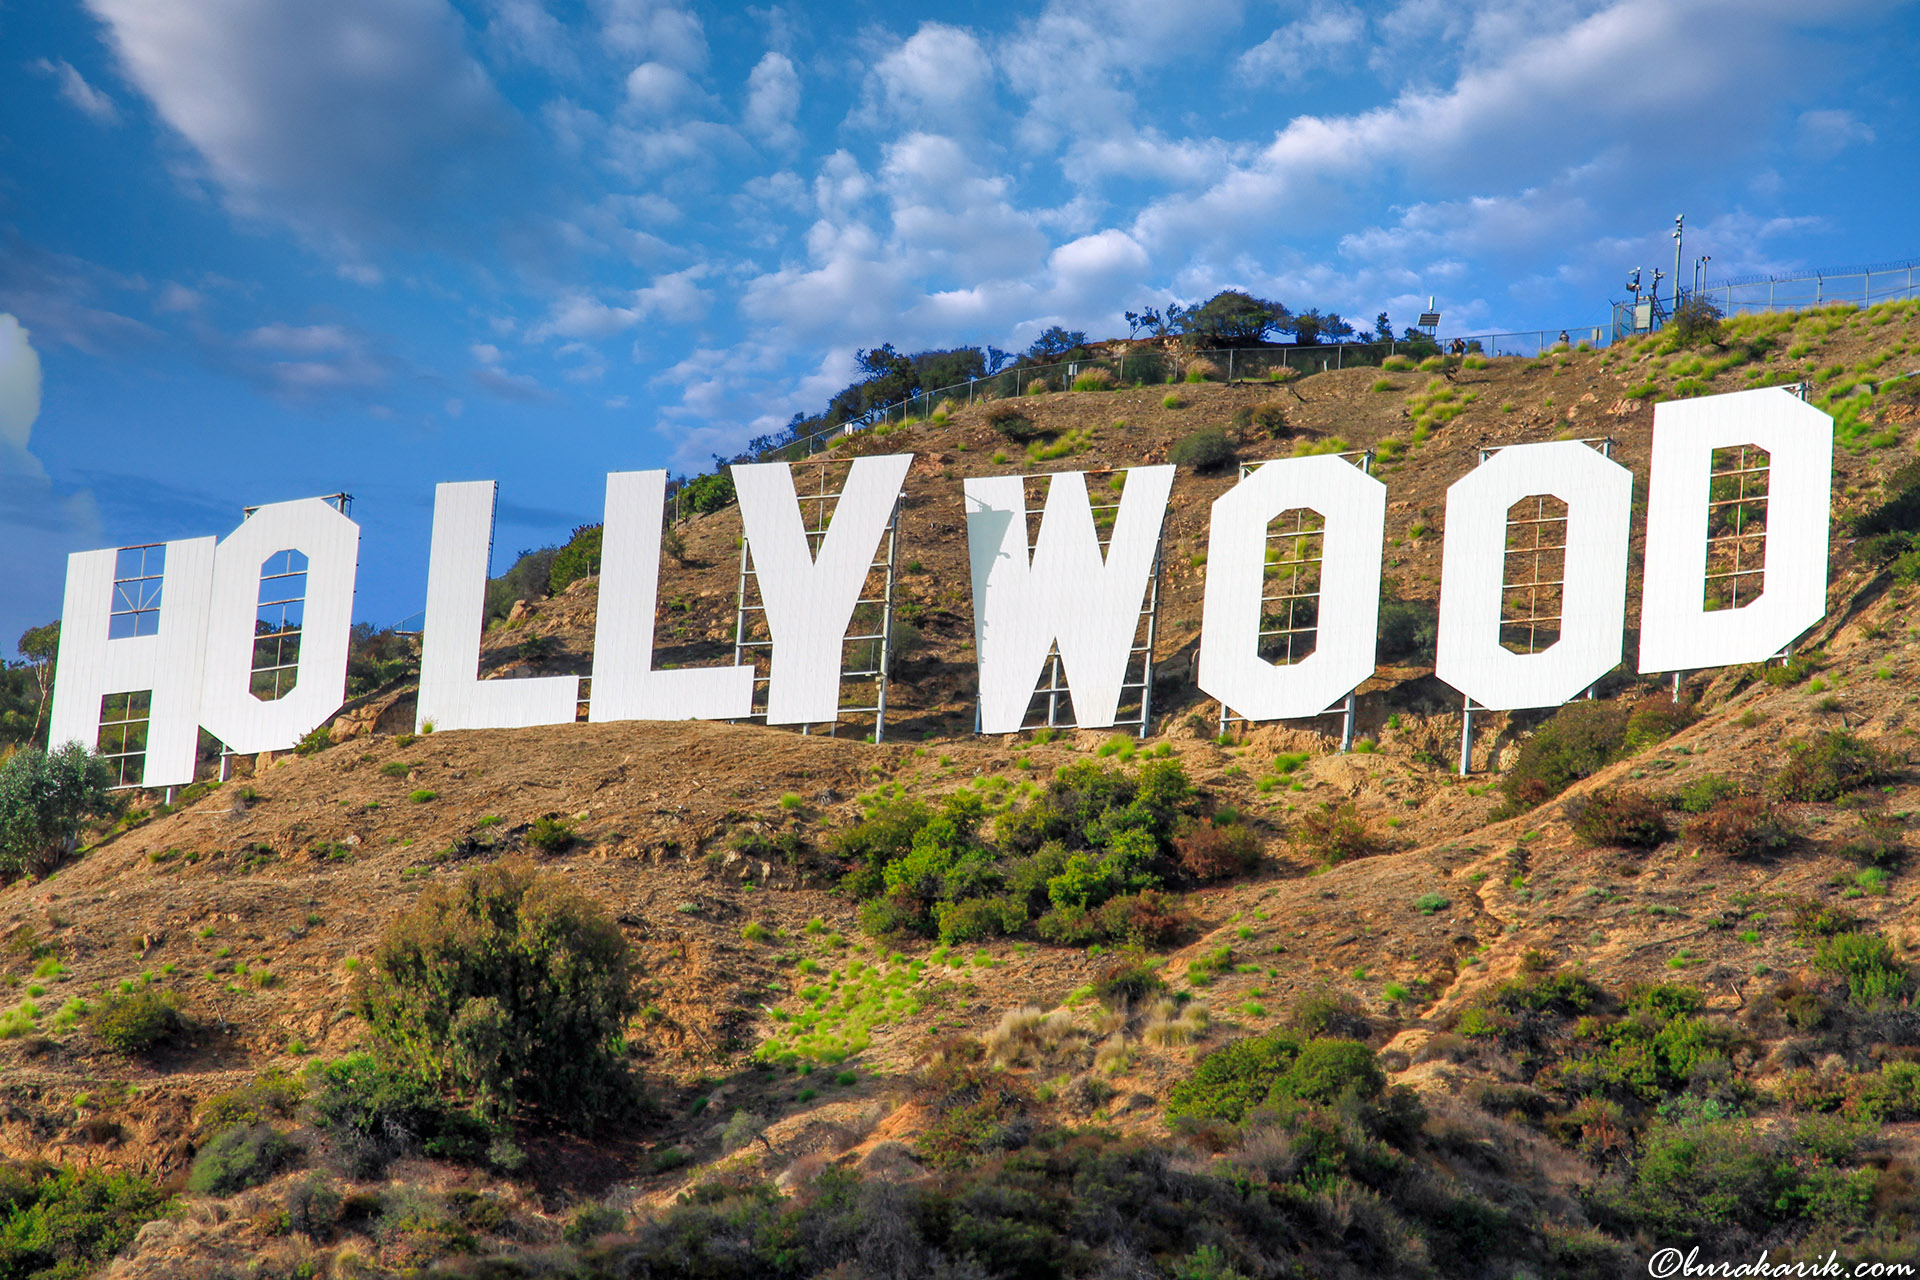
646,29
940,77
92,103
773,100
350,119
39,526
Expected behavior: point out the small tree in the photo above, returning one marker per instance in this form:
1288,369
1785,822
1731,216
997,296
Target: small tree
1697,320
1231,317
44,799
40,646
512,987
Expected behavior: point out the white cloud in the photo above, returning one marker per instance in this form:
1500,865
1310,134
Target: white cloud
940,77
92,103
1823,134
350,119
19,383
1322,39
517,387
656,88
658,31
525,31
580,315
38,525
676,298
773,102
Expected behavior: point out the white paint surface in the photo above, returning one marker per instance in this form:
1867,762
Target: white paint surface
171,662
1677,633
809,599
625,685
1354,506
228,708
1599,497
452,696
1065,594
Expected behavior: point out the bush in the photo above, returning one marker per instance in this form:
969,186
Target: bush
1094,380
1269,416
1210,851
1577,741
1697,320
511,986
1263,1071
275,1095
1126,984
1655,719
375,1113
1622,817
61,1223
1204,450
1740,826
136,1023
1829,765
1704,792
580,558
704,495
550,835
1333,833
44,799
1007,418
1408,630
242,1156
1867,962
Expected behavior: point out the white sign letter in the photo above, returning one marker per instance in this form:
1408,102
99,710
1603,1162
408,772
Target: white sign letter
625,685
229,709
451,694
1067,595
1354,507
1599,497
809,598
124,632
1676,631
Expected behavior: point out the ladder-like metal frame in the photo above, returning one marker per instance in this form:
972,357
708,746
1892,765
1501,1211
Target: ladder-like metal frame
1532,619
752,648
1362,458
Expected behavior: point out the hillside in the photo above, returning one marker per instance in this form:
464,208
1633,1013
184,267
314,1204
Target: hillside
1462,943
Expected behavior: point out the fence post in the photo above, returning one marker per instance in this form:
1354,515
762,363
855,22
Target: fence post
1230,354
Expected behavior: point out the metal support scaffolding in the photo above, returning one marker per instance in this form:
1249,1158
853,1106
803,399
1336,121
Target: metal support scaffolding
1289,555
753,639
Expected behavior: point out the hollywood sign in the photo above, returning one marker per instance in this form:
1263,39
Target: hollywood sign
195,656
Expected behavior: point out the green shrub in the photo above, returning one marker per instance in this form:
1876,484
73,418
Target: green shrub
274,1096
314,742
1407,630
1263,1071
1432,903
580,558
1829,765
589,1222
1126,984
62,1223
551,835
422,795
373,1112
1269,417
1703,792
512,987
1333,833
239,1157
704,495
44,799
1012,422
1577,741
1204,450
1621,817
1866,960
136,1023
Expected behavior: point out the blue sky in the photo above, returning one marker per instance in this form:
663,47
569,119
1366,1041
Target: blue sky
251,252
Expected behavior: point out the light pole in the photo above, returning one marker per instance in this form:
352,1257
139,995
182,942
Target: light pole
1679,229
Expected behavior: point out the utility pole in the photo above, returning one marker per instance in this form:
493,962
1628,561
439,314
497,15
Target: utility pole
1679,229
